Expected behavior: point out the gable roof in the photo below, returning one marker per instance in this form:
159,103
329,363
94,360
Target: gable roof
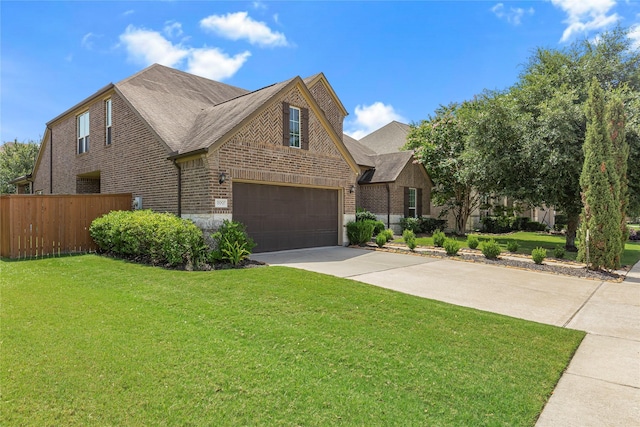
388,139
387,167
169,100
320,77
361,154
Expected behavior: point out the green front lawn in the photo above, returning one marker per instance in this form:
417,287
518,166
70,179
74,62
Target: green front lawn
527,241
88,340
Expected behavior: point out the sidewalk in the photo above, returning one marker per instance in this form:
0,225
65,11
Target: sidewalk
601,386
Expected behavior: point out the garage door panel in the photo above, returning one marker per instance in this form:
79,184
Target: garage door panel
279,217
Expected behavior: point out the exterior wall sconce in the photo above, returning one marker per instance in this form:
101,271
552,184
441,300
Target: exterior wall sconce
222,178
352,189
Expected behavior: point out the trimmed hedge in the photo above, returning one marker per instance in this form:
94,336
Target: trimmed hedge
423,224
360,232
156,238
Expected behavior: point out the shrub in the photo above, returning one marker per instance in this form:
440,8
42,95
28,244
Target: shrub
429,225
409,239
438,238
472,241
359,232
363,215
388,233
452,246
558,252
634,236
536,226
381,239
410,223
491,249
378,227
538,255
512,246
232,244
156,238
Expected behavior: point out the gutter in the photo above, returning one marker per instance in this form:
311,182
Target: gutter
388,205
50,159
175,163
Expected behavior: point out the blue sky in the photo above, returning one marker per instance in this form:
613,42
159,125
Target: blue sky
385,60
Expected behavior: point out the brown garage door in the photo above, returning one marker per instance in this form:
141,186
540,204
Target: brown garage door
280,218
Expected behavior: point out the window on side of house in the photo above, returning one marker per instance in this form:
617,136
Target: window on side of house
83,132
107,114
413,211
294,127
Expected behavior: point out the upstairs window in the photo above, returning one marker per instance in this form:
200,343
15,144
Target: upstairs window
83,132
294,127
107,115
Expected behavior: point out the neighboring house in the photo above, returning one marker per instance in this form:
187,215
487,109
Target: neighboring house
271,158
390,185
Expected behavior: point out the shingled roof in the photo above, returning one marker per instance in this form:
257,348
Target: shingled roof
169,100
191,113
361,154
387,167
388,139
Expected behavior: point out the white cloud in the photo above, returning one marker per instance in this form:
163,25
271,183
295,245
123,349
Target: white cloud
259,5
634,35
128,12
584,16
370,118
214,64
147,47
513,15
172,29
240,25
86,41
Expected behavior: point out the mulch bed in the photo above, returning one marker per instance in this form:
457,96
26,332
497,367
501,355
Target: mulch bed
562,267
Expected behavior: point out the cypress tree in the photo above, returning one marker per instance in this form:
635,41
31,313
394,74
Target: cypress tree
616,121
600,190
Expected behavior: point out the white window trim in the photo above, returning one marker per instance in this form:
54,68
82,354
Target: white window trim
292,134
83,129
108,110
415,202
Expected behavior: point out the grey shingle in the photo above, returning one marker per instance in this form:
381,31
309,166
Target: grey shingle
388,139
387,167
361,154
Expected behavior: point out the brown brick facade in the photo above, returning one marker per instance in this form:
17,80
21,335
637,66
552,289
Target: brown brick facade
376,199
325,100
255,153
135,161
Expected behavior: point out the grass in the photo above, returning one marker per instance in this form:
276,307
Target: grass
91,340
527,241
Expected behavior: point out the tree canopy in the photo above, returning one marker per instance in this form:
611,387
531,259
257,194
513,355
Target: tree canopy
16,159
526,142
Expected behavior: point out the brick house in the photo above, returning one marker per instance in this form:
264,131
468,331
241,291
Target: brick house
390,184
272,158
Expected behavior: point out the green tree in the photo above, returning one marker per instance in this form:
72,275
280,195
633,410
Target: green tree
616,127
16,159
600,220
545,164
439,143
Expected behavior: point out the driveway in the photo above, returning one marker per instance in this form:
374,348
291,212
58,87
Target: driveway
602,383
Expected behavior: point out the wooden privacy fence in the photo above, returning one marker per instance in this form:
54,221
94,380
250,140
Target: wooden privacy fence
37,225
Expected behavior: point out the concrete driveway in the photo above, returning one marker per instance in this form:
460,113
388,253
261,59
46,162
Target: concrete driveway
602,383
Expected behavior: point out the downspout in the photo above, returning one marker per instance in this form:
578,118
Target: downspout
175,163
50,160
388,206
